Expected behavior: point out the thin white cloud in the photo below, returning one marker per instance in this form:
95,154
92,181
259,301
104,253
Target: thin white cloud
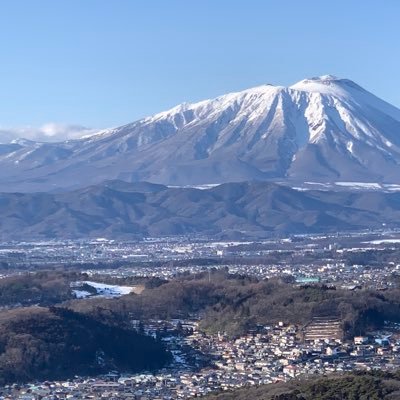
50,132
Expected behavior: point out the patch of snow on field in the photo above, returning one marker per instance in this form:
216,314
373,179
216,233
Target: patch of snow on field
363,185
384,241
80,294
103,289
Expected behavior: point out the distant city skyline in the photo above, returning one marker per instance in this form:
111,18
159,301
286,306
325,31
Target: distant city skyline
71,67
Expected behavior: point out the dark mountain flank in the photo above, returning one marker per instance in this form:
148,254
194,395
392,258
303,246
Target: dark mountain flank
258,209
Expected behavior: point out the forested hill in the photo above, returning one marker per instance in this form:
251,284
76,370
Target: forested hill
353,386
234,303
248,209
56,343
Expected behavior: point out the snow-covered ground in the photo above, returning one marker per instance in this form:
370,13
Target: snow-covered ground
371,186
206,186
360,185
80,294
102,289
384,241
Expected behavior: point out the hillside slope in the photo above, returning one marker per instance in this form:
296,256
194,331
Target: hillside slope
121,210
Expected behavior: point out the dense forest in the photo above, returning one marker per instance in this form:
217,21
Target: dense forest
43,288
352,386
52,343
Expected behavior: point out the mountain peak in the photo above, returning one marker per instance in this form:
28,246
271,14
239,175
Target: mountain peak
323,78
328,77
328,84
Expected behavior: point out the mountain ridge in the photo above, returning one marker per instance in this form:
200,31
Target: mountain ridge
121,210
320,129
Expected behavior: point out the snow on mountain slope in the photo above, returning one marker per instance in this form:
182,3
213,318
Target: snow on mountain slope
320,129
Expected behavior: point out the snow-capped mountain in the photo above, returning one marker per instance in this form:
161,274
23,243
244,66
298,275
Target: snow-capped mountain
321,129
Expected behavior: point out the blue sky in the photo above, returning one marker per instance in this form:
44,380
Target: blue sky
102,63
